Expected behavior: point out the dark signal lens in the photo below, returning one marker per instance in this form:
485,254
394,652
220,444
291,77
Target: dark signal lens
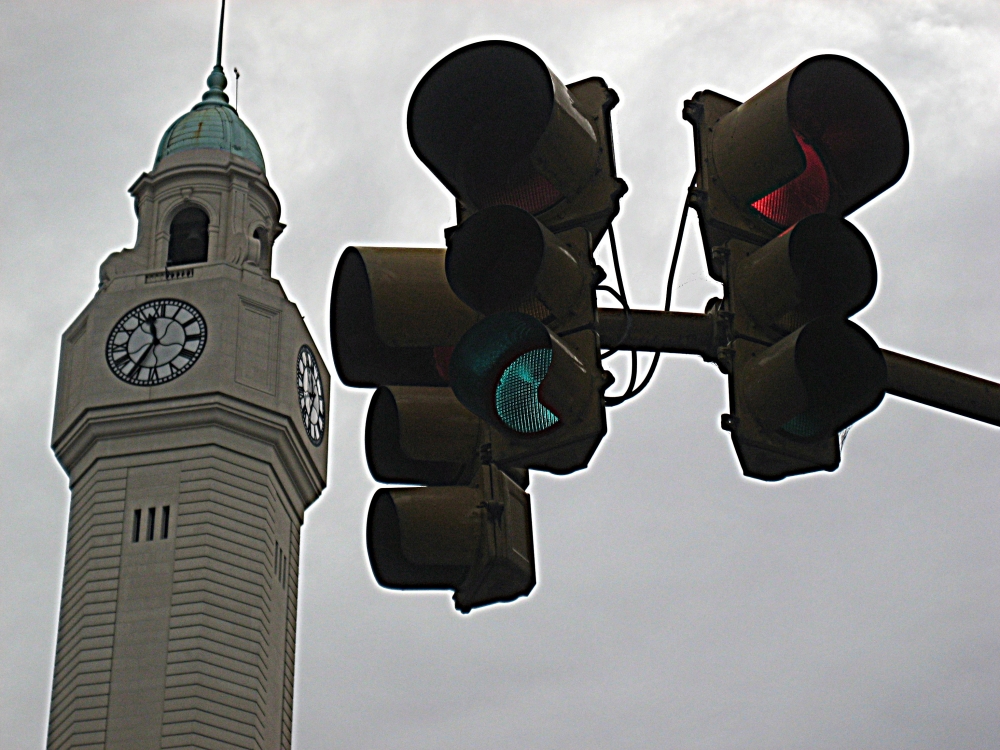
442,360
804,425
807,194
534,195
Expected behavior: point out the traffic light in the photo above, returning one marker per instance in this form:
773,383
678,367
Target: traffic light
541,391
393,317
496,126
394,324
474,540
530,162
774,178
471,530
484,355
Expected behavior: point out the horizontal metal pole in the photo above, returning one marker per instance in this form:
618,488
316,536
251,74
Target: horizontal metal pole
657,331
908,377
942,388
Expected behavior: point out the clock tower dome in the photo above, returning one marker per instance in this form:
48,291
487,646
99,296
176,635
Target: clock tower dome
192,419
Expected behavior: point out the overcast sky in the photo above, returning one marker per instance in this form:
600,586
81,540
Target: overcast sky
678,604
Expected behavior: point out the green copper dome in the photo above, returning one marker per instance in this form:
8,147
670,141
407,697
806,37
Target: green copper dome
211,123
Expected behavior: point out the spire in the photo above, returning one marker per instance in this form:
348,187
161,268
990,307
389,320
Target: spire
218,52
217,82
213,122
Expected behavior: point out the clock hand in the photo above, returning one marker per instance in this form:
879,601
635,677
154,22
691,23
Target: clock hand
142,354
151,346
156,339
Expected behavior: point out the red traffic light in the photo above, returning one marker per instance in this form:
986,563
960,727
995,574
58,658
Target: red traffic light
825,137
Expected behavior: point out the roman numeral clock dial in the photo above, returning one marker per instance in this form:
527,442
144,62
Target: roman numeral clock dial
156,342
311,402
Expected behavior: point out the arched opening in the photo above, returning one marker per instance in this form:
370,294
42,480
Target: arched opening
188,238
257,247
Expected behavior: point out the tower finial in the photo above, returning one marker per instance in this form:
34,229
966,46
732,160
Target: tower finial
216,79
218,53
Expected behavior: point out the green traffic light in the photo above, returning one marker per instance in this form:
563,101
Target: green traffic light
517,393
497,368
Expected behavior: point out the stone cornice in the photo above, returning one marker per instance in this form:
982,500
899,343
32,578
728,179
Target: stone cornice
111,431
201,162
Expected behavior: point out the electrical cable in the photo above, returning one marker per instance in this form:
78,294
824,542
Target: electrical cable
623,300
631,390
619,295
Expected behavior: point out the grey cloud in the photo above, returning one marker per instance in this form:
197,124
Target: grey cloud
678,604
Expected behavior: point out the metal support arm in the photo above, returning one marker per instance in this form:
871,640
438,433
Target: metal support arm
695,333
655,331
942,388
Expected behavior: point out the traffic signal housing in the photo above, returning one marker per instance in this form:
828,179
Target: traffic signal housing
774,178
393,317
473,540
531,367
530,162
394,324
484,355
497,127
470,531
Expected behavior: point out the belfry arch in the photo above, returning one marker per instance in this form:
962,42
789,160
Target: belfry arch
188,237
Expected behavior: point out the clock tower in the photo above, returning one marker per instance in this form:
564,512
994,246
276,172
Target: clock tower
191,417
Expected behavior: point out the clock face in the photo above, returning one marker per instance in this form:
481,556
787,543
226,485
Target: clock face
156,342
311,402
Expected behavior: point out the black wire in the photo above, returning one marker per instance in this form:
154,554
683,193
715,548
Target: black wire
628,318
571,331
628,393
751,338
670,284
631,391
623,299
614,258
677,244
619,295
